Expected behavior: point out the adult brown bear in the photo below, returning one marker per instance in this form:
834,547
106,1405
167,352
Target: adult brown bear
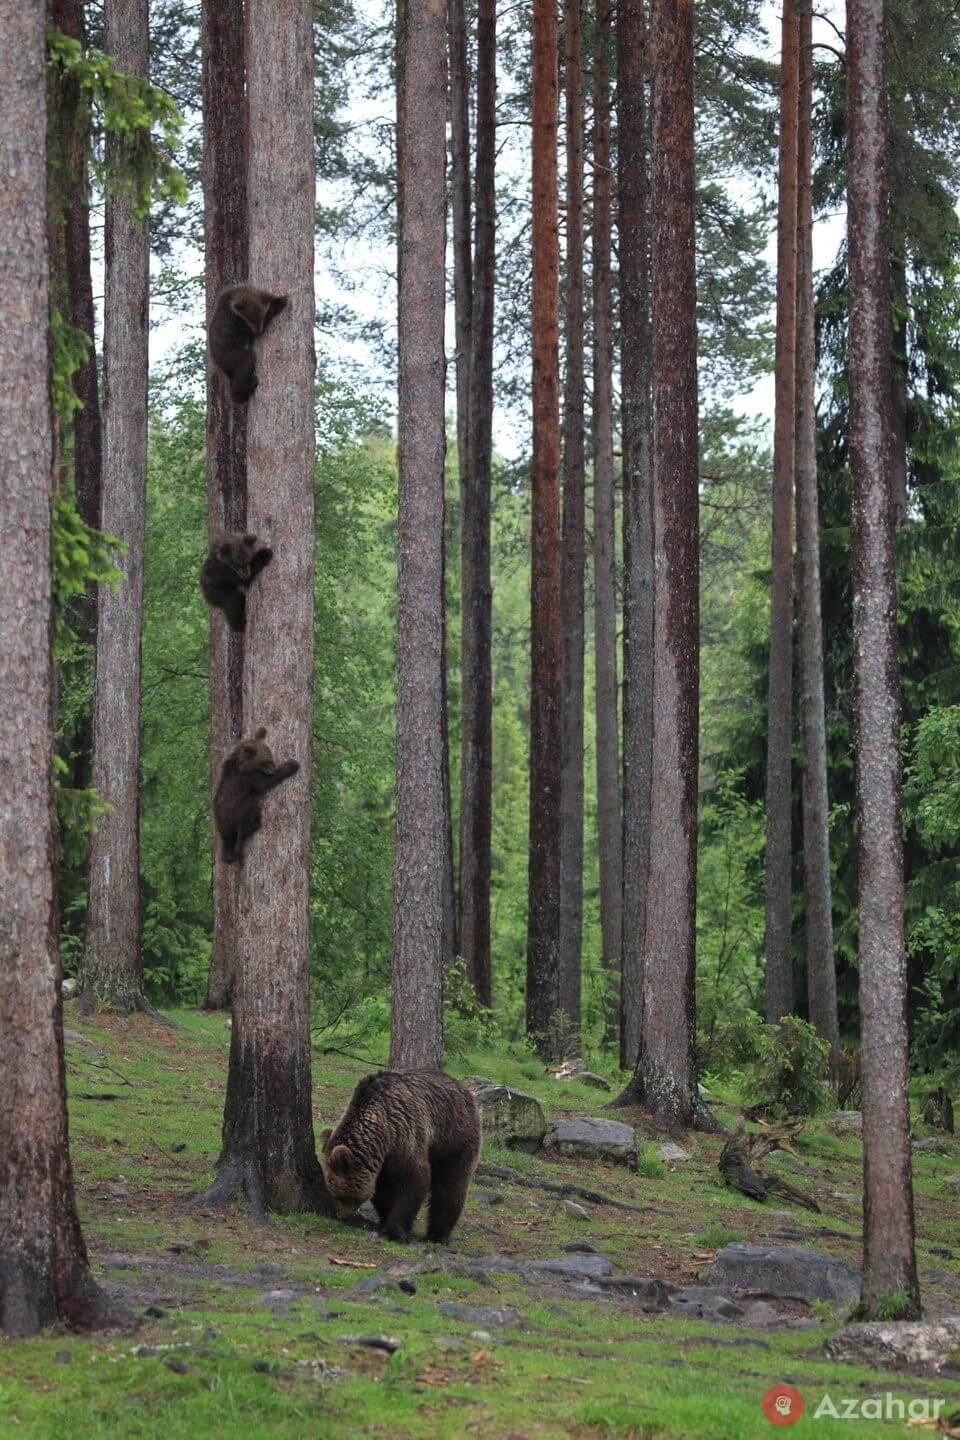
406,1134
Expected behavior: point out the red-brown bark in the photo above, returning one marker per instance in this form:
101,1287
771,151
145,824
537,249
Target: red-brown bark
889,1257
227,263
543,924
573,559
476,701
416,1035
778,875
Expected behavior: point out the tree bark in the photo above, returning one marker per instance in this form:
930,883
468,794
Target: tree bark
637,425
665,1081
573,559
113,965
543,924
227,263
609,817
778,873
821,973
416,1036
476,700
889,1259
268,1140
44,1274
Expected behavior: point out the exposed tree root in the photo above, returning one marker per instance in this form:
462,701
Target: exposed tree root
29,1302
700,1116
567,1192
89,1000
234,1174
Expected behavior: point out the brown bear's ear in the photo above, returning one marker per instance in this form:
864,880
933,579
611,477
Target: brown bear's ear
261,733
341,1159
325,1137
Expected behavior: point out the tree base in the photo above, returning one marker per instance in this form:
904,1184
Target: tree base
29,1303
240,1172
690,1115
90,1000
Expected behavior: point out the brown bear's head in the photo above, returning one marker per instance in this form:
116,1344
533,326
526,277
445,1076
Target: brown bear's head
350,1179
237,551
254,754
256,307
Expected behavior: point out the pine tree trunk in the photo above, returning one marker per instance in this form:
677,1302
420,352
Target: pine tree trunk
268,1141
227,263
889,1258
665,1081
637,423
778,873
609,818
44,1275
476,702
573,560
113,965
416,1036
821,973
543,924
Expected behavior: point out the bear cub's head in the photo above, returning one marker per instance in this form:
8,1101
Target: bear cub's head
237,551
252,754
350,1179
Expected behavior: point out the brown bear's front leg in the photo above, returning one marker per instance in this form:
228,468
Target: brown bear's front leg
402,1195
449,1180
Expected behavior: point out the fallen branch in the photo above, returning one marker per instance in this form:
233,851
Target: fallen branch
567,1192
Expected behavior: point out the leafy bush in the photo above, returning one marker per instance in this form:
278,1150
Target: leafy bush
467,1025
788,1073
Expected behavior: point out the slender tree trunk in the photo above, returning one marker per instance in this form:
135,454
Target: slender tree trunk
779,986
666,1080
637,424
227,257
543,925
821,974
44,1275
573,560
463,319
476,702
113,967
268,1141
889,1258
450,940
67,16
416,1036
898,381
609,817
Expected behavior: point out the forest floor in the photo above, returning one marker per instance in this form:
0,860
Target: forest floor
251,1330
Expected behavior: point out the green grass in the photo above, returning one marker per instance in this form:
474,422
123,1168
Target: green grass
574,1367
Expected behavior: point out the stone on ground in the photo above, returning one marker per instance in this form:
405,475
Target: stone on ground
787,1272
511,1118
591,1138
898,1345
673,1154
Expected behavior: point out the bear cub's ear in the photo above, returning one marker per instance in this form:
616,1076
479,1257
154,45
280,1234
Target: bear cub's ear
261,733
341,1159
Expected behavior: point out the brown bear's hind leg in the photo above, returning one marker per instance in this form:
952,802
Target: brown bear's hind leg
449,1182
407,1188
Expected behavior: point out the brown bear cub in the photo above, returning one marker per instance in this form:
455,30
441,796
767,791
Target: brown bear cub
406,1134
241,313
246,775
232,564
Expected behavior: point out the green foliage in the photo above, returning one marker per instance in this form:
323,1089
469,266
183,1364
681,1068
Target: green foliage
894,1305
81,556
791,1064
467,1025
139,123
729,904
717,1235
649,1164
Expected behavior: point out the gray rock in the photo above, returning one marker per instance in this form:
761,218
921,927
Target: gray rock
377,1280
580,1266
932,1145
511,1118
73,1037
68,987
952,1182
275,1297
594,1139
788,1272
482,1315
704,1302
846,1122
761,1314
898,1345
575,1211
674,1154
477,1082
488,1197
369,1211
482,1335
590,1077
